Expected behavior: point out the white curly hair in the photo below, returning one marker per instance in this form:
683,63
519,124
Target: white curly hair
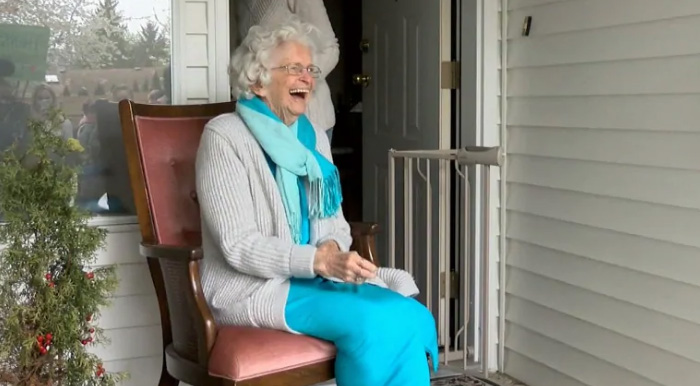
250,61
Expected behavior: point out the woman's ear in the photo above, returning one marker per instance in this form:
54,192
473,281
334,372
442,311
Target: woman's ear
258,90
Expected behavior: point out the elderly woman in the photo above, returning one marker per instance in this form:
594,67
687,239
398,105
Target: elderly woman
275,239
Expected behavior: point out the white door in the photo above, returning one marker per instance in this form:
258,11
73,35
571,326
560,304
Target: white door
402,110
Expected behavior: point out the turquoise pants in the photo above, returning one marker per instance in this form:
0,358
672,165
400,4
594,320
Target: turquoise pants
382,337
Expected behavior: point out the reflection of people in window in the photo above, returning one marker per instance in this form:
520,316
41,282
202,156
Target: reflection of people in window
91,186
87,131
167,85
157,97
7,94
43,102
6,91
13,113
121,92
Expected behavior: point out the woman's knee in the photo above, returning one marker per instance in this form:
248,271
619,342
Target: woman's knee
399,312
387,316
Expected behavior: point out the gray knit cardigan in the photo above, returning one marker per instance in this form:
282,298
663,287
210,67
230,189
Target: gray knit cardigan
249,255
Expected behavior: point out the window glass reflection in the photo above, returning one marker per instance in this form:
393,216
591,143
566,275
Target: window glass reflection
82,57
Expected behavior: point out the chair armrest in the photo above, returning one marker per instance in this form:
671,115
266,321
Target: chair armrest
162,251
364,240
176,268
363,228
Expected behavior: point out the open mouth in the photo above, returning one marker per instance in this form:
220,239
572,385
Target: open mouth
299,93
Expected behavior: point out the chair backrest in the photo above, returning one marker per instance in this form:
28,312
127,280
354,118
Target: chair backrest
161,144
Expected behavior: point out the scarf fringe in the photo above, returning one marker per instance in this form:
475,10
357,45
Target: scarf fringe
325,199
325,196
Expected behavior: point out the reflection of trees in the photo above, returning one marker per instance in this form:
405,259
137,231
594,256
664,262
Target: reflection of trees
151,46
91,33
65,18
110,47
101,47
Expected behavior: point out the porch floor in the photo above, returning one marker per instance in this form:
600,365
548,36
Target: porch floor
454,375
471,377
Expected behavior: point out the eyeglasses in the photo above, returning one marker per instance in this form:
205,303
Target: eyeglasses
297,69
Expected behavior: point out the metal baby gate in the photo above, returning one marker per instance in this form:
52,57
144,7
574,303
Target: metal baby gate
415,224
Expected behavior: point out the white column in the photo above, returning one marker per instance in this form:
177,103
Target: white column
200,51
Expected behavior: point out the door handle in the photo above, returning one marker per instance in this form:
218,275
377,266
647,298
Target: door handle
361,80
364,45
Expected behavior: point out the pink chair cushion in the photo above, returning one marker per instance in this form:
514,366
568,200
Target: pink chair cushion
241,353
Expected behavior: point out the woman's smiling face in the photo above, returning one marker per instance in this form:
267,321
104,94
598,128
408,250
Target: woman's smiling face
288,94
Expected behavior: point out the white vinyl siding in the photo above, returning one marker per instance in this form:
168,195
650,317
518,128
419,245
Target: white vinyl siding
132,321
603,193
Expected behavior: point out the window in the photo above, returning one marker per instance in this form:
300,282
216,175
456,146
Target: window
82,57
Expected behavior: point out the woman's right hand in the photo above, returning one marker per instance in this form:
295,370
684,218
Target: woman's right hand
347,266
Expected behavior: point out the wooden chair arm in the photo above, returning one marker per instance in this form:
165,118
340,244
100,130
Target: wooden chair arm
162,251
177,258
364,240
363,228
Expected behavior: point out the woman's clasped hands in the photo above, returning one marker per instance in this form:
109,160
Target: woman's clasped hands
350,267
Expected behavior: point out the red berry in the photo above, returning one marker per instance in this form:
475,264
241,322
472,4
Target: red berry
84,342
90,275
42,351
49,337
51,284
92,330
89,339
48,276
40,339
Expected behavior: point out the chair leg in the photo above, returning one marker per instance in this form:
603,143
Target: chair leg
166,379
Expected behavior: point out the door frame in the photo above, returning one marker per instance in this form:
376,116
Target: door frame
478,125
446,128
470,122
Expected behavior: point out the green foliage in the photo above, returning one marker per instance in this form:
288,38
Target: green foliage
151,46
49,297
111,32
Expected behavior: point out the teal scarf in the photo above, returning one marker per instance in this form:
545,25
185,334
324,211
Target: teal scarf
293,150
